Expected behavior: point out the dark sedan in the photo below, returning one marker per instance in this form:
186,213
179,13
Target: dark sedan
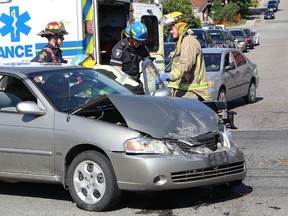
219,37
168,48
269,14
204,38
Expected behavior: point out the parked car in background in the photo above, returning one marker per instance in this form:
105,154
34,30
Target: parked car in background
250,39
231,38
74,126
219,37
168,48
256,37
269,14
272,5
241,38
204,38
231,74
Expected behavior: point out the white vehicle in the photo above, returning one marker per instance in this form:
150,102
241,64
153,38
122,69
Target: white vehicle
94,26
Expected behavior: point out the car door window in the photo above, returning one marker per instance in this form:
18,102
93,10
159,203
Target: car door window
228,60
13,90
239,59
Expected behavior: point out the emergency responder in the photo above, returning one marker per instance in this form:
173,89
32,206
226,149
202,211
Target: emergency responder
188,75
112,72
128,52
54,32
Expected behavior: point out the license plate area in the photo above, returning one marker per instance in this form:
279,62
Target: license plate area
218,158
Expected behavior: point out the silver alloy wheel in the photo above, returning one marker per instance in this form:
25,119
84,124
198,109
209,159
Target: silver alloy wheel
252,93
89,182
222,96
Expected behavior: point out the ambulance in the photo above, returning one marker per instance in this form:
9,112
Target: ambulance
94,27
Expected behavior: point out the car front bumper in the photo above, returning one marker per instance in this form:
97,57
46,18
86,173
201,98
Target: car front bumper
166,172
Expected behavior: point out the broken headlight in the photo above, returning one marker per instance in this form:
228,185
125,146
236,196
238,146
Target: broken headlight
144,145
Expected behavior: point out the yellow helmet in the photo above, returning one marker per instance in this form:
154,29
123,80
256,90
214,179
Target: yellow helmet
172,18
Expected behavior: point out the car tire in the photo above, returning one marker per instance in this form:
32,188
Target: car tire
222,95
251,95
92,182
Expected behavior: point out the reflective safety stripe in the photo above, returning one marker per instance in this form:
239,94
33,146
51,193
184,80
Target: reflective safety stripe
189,87
176,74
118,62
199,67
88,15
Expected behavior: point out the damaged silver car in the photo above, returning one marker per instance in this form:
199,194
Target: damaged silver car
76,127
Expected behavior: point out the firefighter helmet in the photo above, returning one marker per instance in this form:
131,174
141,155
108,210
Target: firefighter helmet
127,31
172,18
53,28
138,31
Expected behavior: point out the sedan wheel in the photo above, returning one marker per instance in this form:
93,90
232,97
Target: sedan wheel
92,182
251,96
222,96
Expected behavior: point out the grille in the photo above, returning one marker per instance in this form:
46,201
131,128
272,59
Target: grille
207,140
208,173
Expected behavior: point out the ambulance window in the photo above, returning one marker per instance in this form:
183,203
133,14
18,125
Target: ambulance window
153,35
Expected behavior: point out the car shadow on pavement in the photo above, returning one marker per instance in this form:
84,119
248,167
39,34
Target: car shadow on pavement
163,202
49,191
240,102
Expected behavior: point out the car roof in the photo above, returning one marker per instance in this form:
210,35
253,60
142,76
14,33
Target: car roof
236,29
31,67
217,50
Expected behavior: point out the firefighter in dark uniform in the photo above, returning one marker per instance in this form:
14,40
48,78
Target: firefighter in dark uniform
54,32
127,53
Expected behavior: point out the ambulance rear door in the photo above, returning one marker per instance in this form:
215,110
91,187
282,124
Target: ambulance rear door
150,14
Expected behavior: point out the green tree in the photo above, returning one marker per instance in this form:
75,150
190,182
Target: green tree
244,6
232,9
216,10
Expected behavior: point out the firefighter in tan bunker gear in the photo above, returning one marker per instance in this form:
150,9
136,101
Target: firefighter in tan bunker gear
188,75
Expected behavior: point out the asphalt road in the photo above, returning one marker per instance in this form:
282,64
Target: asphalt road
262,133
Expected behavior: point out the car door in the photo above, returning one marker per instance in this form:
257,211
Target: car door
232,77
26,143
244,71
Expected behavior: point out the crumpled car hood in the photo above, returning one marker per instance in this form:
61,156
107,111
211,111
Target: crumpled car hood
162,117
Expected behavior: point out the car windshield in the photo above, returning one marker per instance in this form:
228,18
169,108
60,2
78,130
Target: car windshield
212,61
237,33
72,88
216,35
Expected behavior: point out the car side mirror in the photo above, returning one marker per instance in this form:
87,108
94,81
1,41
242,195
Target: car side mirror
230,67
29,107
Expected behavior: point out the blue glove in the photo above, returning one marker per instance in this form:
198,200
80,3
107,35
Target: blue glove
162,77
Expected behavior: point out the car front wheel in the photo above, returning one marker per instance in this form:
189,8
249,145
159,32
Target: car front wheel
92,182
222,95
251,96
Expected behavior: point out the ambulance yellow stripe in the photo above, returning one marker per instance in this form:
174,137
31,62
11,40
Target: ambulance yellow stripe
87,8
